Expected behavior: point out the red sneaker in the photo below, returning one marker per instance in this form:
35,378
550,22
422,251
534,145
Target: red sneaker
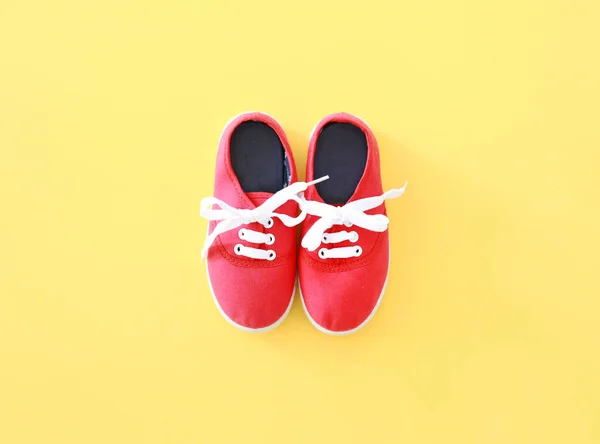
344,265
250,248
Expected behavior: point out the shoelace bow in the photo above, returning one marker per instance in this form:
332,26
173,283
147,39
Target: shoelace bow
353,213
231,218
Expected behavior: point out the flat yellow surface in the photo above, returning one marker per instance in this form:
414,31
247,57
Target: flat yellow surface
109,118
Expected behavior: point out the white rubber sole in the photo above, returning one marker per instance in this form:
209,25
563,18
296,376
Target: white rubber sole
346,332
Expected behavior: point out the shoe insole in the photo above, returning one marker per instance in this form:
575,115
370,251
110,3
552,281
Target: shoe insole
341,153
258,158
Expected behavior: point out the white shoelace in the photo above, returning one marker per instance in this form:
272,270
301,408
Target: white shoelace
353,213
231,218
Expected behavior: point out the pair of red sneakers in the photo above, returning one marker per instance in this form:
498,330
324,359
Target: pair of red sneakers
251,252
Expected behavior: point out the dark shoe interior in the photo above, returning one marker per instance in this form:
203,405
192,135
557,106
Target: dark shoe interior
341,153
258,158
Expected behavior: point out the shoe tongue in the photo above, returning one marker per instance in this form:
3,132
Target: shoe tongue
258,197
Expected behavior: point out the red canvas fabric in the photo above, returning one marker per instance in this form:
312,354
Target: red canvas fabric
339,295
252,294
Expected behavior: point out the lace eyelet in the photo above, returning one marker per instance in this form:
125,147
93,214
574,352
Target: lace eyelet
241,233
323,253
357,251
271,255
271,239
348,224
353,236
325,239
269,223
238,249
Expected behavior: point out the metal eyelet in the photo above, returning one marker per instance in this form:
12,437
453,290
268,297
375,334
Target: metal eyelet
353,236
357,251
271,255
241,233
323,253
238,249
269,223
325,239
270,239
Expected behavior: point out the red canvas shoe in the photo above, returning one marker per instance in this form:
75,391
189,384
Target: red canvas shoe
344,263
250,248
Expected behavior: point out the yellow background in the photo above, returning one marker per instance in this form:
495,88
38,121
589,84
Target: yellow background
109,117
